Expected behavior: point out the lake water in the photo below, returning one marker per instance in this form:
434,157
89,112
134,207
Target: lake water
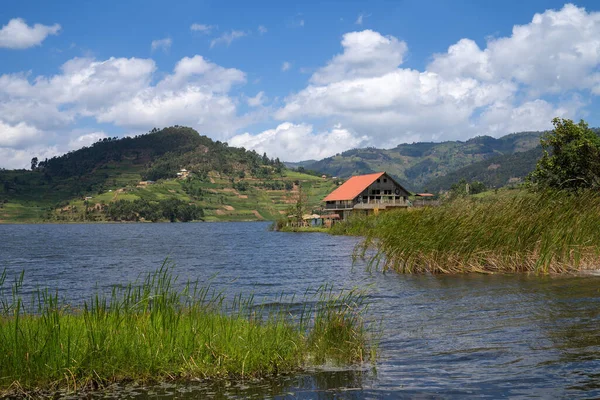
443,336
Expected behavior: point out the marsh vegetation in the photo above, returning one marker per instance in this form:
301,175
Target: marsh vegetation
152,331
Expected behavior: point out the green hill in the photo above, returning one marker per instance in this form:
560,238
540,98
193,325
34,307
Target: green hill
108,181
414,165
494,172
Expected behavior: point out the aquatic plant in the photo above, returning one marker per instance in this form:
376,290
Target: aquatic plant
152,331
547,232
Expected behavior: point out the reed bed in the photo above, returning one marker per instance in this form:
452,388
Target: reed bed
150,331
544,233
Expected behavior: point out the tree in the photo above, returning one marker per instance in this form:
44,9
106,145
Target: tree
571,157
34,163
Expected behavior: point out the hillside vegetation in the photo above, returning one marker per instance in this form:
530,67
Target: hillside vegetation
416,164
504,170
103,182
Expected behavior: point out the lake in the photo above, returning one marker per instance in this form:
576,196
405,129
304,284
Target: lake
442,336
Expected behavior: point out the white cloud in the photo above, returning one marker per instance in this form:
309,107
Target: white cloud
162,44
86,139
257,100
365,54
262,29
227,38
42,112
202,28
296,142
510,85
18,135
557,51
18,35
286,66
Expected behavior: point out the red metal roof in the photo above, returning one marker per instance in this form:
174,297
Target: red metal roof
425,194
353,187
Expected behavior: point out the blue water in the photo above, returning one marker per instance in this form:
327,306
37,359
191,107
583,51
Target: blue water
442,336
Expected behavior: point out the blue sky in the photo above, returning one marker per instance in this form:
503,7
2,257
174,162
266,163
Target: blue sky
296,79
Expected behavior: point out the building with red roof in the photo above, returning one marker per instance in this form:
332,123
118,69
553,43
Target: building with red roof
367,194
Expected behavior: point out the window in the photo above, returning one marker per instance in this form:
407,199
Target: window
378,180
384,180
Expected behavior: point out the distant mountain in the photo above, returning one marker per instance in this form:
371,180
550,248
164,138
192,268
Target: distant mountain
414,165
494,172
290,164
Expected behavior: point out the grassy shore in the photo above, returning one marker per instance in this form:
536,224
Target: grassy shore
319,229
150,332
514,231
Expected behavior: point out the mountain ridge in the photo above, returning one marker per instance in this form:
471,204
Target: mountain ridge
415,164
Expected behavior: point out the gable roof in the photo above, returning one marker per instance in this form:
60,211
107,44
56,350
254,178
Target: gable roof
353,187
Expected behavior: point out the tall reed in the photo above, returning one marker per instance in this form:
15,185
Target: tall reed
152,331
537,232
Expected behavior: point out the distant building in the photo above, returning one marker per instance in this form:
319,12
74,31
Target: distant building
425,199
369,193
145,183
183,173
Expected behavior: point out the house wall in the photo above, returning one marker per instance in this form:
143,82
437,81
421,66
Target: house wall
383,187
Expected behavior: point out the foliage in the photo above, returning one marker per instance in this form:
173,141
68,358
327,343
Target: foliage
571,157
464,188
510,232
494,172
168,209
162,330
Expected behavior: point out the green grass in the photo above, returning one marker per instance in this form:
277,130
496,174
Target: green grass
151,331
318,229
516,231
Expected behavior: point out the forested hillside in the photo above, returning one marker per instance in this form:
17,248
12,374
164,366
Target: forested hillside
414,165
493,173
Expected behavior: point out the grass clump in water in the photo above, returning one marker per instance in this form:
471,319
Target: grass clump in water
529,232
151,331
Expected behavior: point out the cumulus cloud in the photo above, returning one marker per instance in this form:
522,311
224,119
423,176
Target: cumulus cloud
557,51
262,29
510,85
119,91
161,44
18,35
366,54
227,38
18,135
296,142
202,28
286,65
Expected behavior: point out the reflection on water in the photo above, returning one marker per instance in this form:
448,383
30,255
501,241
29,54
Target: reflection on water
443,336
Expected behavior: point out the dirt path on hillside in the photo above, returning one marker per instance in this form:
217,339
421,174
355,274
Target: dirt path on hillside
257,214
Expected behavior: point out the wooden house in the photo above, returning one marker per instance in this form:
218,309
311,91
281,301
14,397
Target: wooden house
369,193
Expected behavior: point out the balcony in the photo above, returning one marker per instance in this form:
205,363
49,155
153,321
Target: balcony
369,204
340,205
